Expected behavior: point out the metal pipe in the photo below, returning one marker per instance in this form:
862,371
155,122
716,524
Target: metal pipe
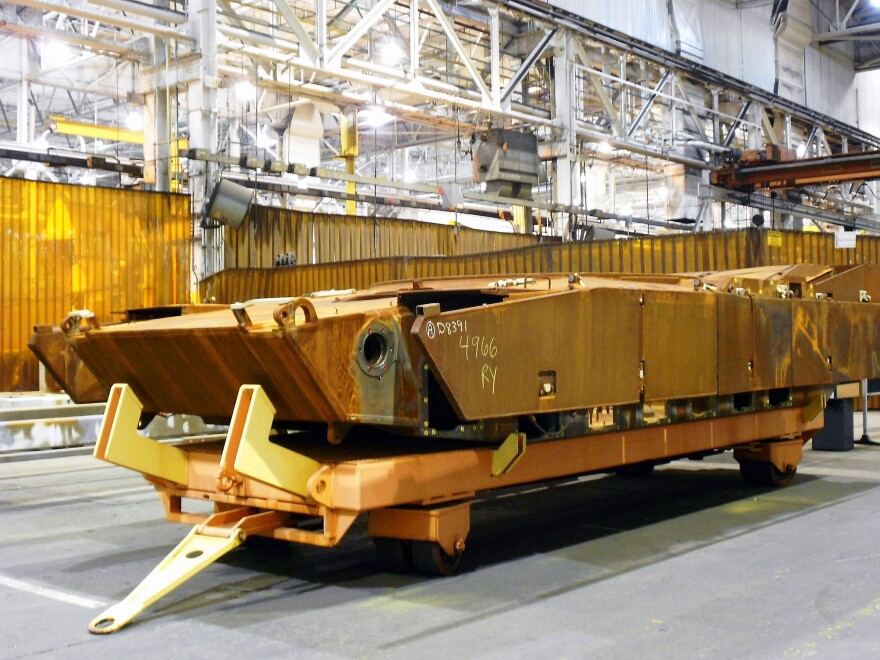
310,90
142,9
256,38
75,39
708,146
767,204
107,19
622,143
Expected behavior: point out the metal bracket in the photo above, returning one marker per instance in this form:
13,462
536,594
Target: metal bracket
285,313
814,407
204,545
249,451
239,309
74,319
508,454
447,525
120,443
784,454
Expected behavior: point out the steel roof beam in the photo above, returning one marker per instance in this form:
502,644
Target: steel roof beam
75,39
642,49
449,29
143,9
119,20
305,40
528,63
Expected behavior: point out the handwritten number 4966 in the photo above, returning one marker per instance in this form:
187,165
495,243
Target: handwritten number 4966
476,346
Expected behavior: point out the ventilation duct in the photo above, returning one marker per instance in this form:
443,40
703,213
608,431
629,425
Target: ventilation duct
228,205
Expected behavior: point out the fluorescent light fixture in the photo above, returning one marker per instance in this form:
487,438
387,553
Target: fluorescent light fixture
604,147
135,120
375,117
54,54
391,53
802,148
305,182
245,90
265,139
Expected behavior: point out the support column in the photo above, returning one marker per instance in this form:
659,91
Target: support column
321,30
202,117
565,184
495,54
21,119
414,39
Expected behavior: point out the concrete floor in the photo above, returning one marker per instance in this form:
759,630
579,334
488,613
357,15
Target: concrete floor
690,562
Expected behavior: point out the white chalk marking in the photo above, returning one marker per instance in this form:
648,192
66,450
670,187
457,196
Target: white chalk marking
54,594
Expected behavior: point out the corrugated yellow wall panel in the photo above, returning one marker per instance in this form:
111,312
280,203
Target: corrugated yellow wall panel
68,247
323,238
664,254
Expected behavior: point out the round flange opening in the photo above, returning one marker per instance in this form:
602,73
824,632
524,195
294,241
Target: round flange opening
375,350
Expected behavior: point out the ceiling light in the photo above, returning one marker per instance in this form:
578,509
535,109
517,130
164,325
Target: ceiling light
54,54
265,139
134,121
375,117
876,3
802,148
391,53
245,90
305,182
604,147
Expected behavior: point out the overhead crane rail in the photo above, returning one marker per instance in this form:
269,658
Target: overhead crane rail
838,168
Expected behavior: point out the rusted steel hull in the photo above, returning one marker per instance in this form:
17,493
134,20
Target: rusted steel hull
435,357
50,346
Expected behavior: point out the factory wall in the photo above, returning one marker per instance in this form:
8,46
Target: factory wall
738,42
682,253
65,248
831,83
646,20
868,90
321,238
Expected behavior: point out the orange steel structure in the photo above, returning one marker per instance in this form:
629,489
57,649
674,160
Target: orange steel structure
407,400
837,168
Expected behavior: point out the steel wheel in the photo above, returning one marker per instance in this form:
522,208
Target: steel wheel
430,559
774,477
764,473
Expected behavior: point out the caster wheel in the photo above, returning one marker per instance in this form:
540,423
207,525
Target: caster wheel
430,559
774,477
764,473
393,555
